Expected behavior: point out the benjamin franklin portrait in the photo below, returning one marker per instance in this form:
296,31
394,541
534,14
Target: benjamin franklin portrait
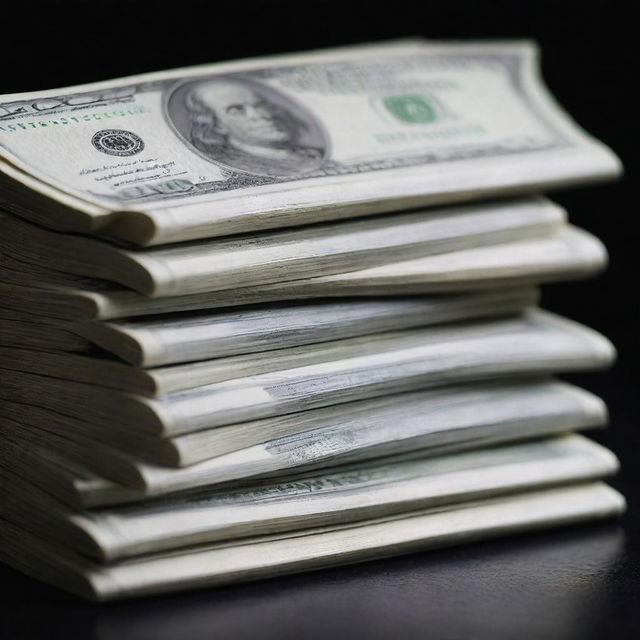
247,126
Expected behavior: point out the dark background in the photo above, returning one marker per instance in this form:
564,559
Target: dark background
576,583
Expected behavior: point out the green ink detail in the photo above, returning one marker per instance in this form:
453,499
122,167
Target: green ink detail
411,108
65,120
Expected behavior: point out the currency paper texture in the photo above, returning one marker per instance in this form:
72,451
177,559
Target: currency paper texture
243,146
433,423
336,496
316,251
174,339
569,253
317,548
291,380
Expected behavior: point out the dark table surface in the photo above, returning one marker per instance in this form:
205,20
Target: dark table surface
580,582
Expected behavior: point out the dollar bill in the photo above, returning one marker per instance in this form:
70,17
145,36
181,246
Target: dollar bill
243,146
340,495
432,422
170,339
292,380
319,250
526,562
221,563
568,253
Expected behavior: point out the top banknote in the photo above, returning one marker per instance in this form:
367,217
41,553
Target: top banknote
244,146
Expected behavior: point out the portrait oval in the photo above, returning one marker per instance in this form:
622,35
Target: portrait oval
245,125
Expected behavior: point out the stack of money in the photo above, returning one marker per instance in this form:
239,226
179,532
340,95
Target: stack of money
281,314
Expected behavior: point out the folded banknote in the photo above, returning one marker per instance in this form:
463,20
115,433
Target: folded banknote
335,496
175,338
224,391
568,253
314,251
434,421
315,548
241,146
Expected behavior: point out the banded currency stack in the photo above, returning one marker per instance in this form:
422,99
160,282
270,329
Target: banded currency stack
274,315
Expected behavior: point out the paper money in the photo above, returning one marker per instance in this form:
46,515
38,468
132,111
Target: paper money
221,361
569,253
337,496
172,339
433,423
18,329
254,558
198,267
526,562
243,146
291,380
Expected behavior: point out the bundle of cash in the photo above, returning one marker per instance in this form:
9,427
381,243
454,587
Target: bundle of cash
281,314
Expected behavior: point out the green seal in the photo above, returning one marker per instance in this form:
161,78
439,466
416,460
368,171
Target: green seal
411,108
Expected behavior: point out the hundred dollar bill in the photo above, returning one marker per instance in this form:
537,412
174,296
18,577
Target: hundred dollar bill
259,557
242,146
218,264
569,253
436,422
170,339
290,380
337,496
